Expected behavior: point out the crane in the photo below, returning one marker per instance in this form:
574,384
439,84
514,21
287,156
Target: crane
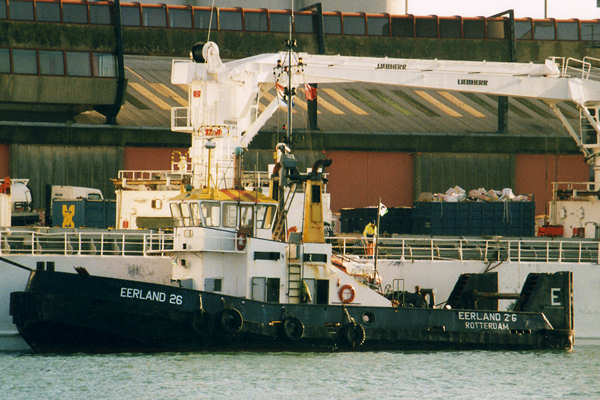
224,96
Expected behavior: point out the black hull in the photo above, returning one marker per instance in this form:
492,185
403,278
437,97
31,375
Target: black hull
63,313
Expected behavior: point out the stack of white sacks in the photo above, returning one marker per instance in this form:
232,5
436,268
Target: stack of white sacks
456,194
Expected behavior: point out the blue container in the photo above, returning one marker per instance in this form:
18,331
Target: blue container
84,213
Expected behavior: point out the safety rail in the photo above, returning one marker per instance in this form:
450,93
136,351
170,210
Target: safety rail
471,249
573,190
151,175
572,67
594,67
93,243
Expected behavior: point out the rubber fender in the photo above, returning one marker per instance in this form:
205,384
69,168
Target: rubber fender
293,328
231,320
355,335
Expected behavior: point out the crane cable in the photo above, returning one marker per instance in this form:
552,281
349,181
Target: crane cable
212,9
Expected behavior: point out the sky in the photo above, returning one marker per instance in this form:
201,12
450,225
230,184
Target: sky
559,9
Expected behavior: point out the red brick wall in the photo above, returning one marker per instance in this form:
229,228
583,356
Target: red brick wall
359,179
534,173
4,160
148,158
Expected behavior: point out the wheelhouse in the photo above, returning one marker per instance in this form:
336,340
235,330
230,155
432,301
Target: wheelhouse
231,210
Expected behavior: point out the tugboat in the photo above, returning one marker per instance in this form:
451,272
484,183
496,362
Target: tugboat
241,280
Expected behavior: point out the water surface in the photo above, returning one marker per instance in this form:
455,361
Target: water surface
342,375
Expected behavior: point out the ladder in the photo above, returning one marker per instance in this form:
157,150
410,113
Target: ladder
295,273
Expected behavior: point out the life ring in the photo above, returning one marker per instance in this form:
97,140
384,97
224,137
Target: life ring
240,240
346,294
293,328
231,320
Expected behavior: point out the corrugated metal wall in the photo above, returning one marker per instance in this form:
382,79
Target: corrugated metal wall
90,166
436,172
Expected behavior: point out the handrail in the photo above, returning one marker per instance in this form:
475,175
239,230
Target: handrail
487,250
102,243
406,248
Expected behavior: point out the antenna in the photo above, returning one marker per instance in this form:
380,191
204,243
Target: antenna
290,46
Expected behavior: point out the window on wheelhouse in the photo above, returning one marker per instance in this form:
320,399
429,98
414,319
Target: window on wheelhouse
176,213
264,216
186,213
246,216
196,215
211,213
230,215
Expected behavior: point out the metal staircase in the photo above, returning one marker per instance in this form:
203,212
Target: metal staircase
295,270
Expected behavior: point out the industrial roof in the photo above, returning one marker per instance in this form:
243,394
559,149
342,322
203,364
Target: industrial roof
348,107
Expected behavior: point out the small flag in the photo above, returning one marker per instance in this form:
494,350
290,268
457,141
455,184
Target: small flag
282,96
311,92
382,209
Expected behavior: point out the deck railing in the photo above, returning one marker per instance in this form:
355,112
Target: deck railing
145,243
103,243
467,249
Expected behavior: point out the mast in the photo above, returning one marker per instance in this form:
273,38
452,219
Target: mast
290,46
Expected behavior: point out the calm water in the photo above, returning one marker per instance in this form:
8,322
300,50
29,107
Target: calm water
383,375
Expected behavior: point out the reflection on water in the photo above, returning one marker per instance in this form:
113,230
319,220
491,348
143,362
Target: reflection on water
246,375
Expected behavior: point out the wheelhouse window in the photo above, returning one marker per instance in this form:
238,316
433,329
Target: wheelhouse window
230,215
211,213
246,215
264,216
196,214
186,213
176,213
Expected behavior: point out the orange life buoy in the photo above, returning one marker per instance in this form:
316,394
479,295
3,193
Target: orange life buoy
240,240
346,294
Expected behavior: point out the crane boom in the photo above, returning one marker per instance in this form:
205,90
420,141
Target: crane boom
224,96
